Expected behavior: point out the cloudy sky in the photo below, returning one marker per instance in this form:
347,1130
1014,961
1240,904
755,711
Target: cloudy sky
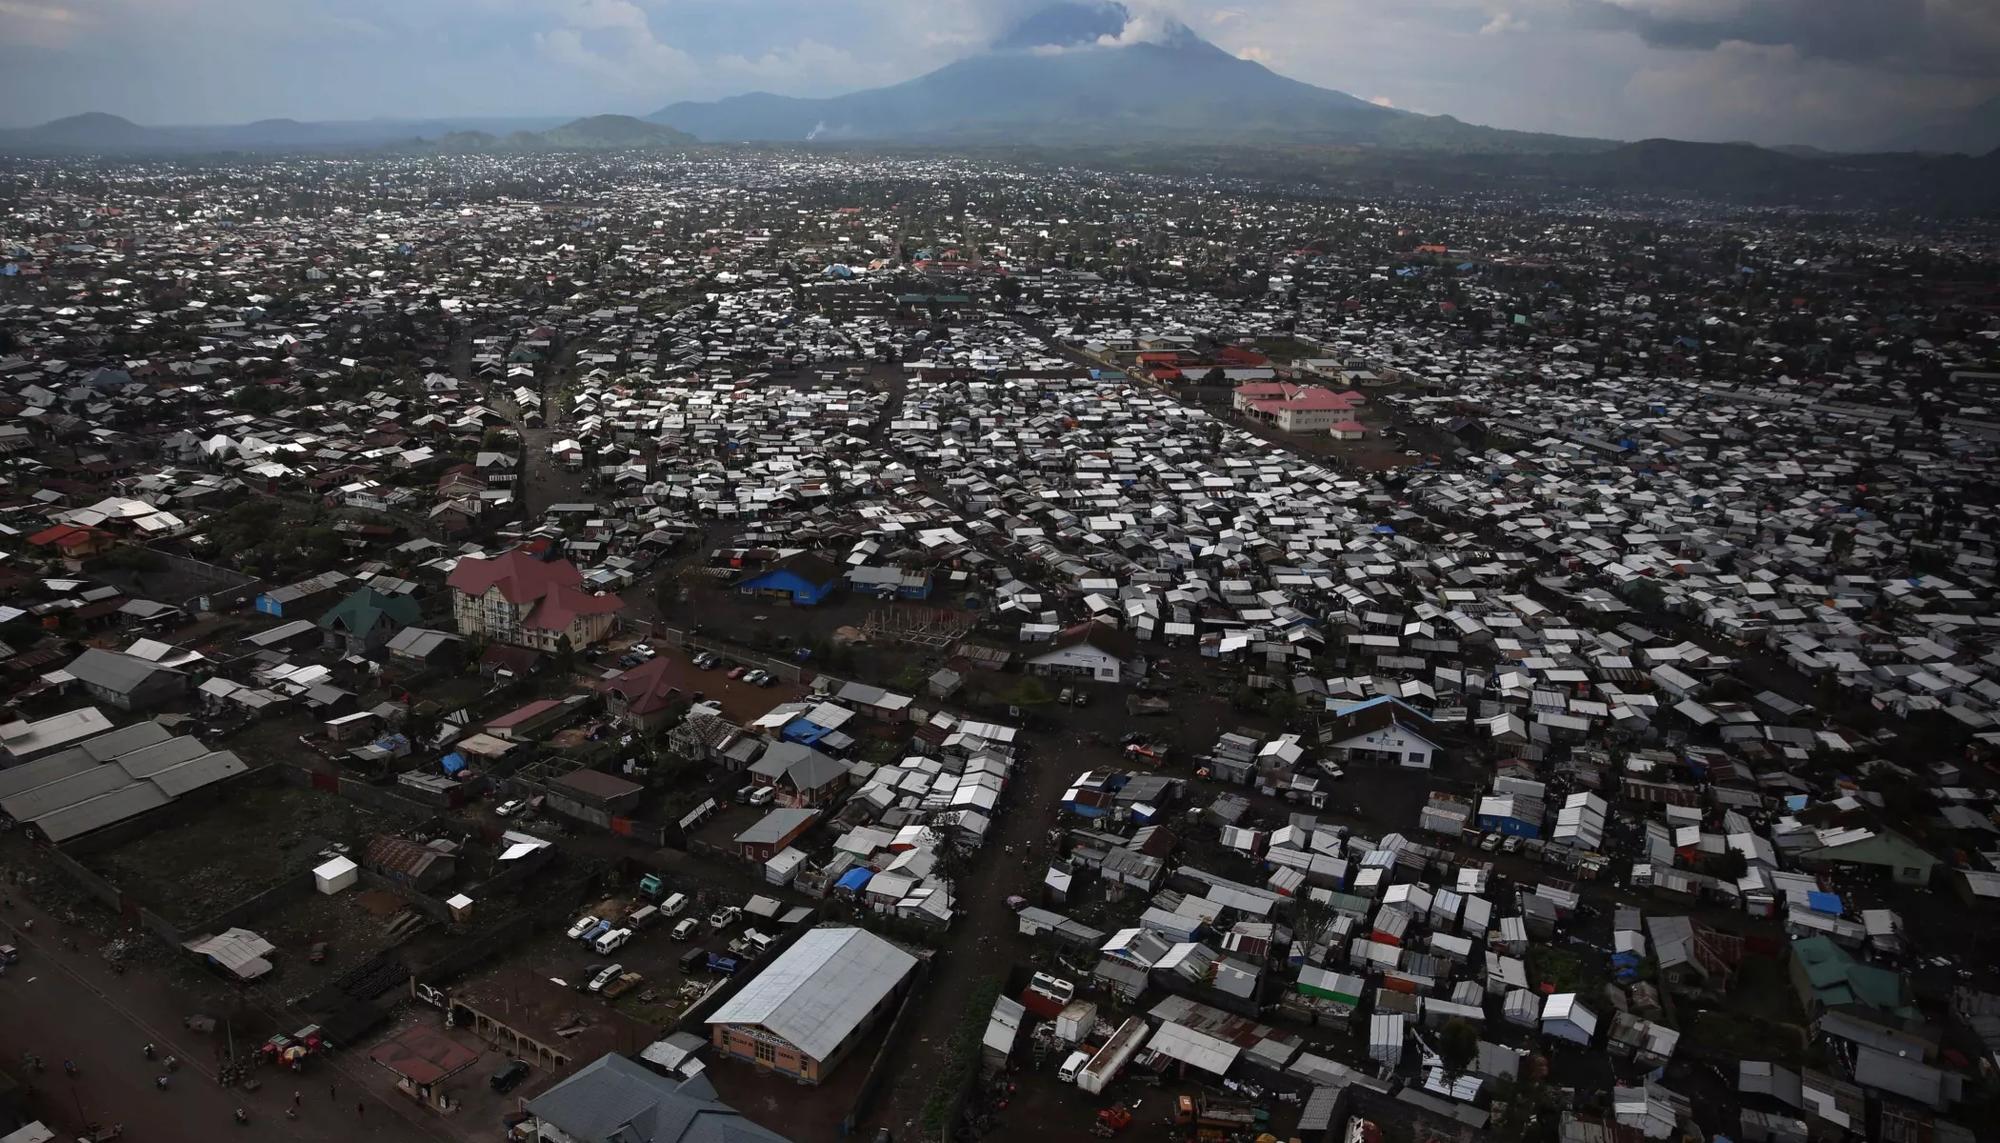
1836,72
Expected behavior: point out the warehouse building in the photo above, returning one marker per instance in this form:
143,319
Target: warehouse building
807,1009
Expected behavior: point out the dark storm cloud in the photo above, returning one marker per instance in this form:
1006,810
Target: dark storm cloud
1961,36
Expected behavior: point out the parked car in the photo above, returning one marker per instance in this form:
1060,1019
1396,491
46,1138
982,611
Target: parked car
759,678
1066,696
508,1077
583,925
687,928
707,660
629,661
510,807
643,650
595,931
610,973
738,671
317,953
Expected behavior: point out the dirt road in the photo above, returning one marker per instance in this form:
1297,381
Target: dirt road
69,1005
986,939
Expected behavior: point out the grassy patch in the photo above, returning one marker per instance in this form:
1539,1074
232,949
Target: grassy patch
1565,970
1730,1032
961,1064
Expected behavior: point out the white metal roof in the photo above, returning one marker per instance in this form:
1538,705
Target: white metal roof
820,989
1180,1042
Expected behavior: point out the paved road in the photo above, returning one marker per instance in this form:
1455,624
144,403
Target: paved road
67,1005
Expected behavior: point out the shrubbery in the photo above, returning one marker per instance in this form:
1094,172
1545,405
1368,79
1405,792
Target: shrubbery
961,1061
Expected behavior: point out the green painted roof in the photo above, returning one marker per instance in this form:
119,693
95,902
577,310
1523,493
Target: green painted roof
1837,978
365,607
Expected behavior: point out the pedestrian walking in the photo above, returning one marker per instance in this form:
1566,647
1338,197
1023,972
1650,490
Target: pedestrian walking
296,1098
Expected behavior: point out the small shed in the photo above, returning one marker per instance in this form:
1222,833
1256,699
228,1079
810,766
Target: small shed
1565,1017
336,874
784,866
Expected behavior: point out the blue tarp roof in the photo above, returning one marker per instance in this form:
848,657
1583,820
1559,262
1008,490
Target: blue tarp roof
453,763
855,878
804,731
1824,903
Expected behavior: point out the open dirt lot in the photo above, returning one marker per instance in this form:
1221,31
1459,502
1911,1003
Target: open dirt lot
257,837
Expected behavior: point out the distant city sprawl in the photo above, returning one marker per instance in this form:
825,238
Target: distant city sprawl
780,643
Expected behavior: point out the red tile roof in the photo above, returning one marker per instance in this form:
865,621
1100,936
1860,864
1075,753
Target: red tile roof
68,537
1309,398
554,587
521,714
423,1055
647,687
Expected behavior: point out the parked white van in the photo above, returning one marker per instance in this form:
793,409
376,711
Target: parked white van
673,905
1071,1066
613,940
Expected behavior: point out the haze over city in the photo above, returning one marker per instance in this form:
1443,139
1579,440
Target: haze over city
1836,73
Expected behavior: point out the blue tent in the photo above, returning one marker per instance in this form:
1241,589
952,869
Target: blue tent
454,764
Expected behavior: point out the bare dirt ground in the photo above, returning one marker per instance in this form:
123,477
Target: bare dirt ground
255,838
62,1003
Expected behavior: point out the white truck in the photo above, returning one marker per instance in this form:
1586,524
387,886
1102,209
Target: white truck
1113,1056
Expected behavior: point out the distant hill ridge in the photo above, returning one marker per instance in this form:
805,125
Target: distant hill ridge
96,132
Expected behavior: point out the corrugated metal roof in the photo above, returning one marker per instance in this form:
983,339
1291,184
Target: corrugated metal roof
18,780
109,809
52,796
1179,1042
150,760
114,671
819,990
